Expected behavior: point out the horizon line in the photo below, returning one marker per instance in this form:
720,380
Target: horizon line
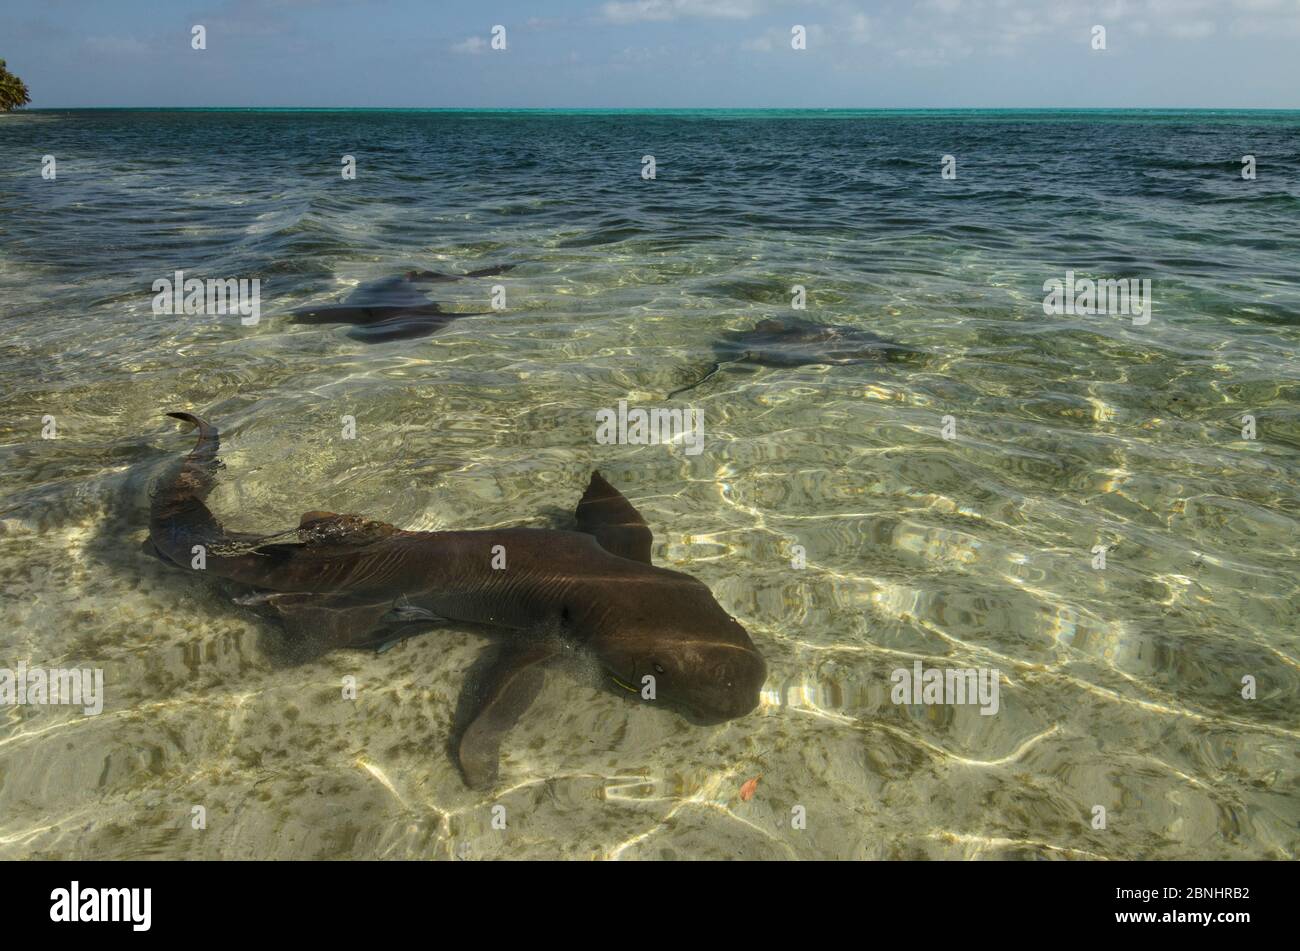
1043,108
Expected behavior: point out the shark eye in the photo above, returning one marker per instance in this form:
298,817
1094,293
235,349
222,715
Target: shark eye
658,669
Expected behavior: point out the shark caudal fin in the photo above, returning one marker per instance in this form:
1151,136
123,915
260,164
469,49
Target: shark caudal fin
178,519
620,529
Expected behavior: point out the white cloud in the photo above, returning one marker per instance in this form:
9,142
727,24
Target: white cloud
1274,26
935,32
940,32
637,11
860,28
1192,29
473,44
116,45
779,38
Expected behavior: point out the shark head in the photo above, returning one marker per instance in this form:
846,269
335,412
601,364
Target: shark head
692,653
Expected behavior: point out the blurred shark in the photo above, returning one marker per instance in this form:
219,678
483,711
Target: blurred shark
394,308
791,342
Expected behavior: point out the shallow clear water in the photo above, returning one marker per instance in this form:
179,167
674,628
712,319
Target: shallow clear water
1120,687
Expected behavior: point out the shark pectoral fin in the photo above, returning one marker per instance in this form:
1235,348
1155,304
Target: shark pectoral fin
147,547
713,368
331,314
402,328
277,551
508,689
404,613
616,525
327,621
491,271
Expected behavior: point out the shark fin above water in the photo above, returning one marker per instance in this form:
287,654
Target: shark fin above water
604,513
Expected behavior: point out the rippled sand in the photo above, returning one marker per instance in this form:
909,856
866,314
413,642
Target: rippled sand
1120,687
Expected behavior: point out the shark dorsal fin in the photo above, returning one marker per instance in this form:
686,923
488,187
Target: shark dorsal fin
327,530
616,525
309,517
321,532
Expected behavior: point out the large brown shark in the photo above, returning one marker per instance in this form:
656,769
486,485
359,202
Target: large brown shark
349,581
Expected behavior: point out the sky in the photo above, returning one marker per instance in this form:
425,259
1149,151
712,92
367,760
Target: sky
657,53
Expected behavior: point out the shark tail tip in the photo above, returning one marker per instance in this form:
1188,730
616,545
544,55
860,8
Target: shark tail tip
194,420
209,439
